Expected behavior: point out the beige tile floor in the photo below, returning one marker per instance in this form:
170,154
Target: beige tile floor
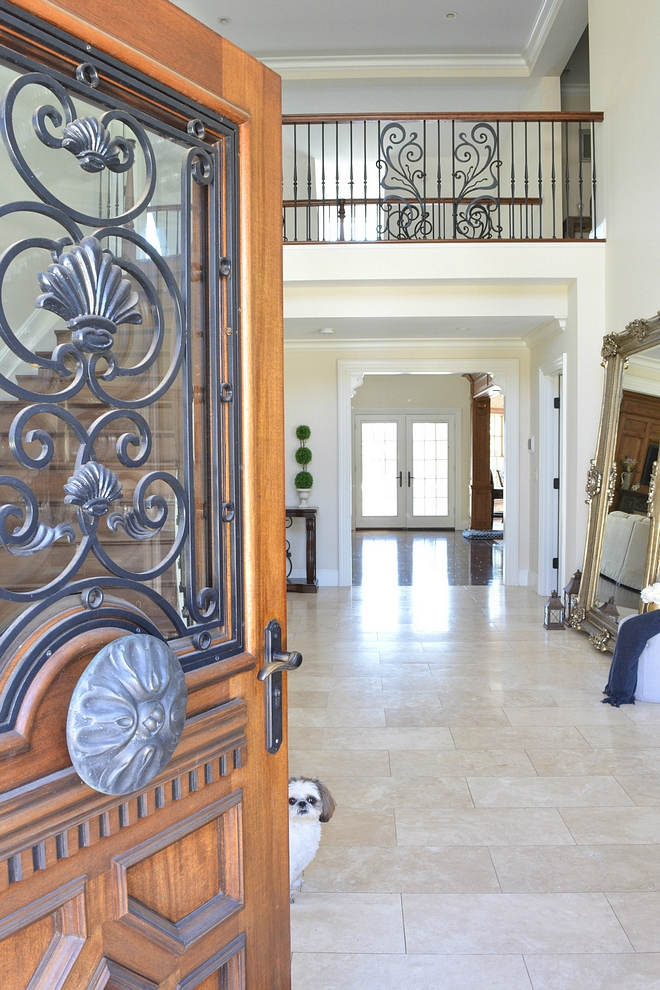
497,827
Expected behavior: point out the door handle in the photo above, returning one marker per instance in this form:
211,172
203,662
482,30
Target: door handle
400,479
276,660
409,477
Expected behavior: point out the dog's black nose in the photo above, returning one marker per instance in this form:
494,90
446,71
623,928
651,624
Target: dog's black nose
302,804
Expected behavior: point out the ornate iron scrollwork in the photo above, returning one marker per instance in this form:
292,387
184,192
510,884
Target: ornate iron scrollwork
478,159
406,216
106,278
127,714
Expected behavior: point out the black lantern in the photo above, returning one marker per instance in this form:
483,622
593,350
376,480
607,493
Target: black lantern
609,608
571,592
554,612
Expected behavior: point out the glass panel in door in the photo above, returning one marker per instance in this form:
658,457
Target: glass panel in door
379,502
430,489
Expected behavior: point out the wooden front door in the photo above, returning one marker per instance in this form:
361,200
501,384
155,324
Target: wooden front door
143,799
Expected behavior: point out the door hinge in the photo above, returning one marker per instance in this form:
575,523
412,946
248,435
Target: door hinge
556,402
555,563
555,484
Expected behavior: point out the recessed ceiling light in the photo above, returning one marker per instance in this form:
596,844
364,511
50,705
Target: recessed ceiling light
227,20
451,15
326,330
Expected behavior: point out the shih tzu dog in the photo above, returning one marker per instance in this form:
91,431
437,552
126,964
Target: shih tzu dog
310,803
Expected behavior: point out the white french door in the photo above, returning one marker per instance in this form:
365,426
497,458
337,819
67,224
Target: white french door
404,470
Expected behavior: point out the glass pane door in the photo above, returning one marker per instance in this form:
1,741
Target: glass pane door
430,470
379,501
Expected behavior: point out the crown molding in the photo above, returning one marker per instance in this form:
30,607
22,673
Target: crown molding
384,66
540,31
550,329
408,344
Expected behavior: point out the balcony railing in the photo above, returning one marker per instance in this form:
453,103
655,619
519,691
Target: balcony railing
440,177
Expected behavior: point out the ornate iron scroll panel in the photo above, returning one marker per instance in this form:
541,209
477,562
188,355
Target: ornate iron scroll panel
617,348
93,290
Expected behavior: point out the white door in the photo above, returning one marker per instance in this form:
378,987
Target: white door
405,471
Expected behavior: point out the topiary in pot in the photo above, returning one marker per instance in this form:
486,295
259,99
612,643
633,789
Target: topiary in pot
303,480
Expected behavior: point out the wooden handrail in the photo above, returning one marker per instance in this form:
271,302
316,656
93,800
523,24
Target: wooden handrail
539,115
344,201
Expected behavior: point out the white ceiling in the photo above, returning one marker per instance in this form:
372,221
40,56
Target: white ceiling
398,328
514,28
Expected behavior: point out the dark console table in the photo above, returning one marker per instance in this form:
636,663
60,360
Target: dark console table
310,586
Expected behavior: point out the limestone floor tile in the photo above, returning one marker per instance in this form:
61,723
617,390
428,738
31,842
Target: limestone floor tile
347,923
399,792
641,713
327,682
624,971
396,869
426,715
360,698
583,762
570,696
638,913
305,737
499,698
452,763
643,789
307,699
389,738
355,826
341,971
577,869
511,923
547,792
321,763
349,718
596,826
621,737
519,737
577,716
481,827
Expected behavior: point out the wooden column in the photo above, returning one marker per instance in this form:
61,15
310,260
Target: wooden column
481,489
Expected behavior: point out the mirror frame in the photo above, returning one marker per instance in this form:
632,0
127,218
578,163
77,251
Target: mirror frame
638,336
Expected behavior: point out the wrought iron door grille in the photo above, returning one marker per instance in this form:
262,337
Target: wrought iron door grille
119,379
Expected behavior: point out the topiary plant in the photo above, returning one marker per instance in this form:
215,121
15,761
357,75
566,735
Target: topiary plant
303,480
303,456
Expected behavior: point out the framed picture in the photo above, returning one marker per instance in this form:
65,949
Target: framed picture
651,456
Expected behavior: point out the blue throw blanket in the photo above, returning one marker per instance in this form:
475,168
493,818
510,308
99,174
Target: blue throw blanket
633,636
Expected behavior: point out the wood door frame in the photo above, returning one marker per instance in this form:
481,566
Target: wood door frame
548,372
207,69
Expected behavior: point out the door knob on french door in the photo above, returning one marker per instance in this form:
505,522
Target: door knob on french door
400,479
409,478
276,660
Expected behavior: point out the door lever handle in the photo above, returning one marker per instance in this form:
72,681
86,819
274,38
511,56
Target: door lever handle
409,477
276,660
400,479
280,661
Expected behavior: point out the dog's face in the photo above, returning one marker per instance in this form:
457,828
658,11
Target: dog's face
309,800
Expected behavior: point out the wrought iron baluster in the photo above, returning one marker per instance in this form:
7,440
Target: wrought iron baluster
438,181
340,218
526,183
323,237
350,179
379,226
594,219
540,184
424,168
364,159
567,182
308,227
554,184
580,179
453,181
499,189
295,182
512,207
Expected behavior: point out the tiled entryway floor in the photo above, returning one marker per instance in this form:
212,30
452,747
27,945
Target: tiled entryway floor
497,826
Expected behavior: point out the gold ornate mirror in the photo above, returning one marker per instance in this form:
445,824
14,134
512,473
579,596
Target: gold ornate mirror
623,531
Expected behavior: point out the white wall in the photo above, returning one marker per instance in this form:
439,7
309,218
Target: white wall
625,84
424,393
562,283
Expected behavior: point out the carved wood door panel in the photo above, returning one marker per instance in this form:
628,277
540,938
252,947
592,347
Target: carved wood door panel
143,811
